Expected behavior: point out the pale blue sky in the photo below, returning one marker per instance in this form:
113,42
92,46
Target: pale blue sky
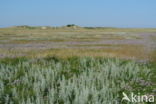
106,13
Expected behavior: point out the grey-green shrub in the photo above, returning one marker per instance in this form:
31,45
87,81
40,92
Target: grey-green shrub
71,81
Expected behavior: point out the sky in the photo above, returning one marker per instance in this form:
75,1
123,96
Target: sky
98,13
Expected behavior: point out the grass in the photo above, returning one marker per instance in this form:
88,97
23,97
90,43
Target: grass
121,51
66,41
68,65
73,80
65,34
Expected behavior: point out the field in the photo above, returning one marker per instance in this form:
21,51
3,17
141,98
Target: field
75,65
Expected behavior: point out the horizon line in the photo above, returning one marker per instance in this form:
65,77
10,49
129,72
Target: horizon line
76,25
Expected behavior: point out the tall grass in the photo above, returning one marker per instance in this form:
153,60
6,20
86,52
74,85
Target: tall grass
68,81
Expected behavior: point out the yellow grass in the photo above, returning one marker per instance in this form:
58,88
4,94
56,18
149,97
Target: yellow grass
25,36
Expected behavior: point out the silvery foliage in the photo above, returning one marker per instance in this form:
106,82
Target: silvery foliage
46,83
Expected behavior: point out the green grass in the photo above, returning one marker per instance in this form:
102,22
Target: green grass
75,80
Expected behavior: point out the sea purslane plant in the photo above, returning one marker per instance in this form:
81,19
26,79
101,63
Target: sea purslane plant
67,81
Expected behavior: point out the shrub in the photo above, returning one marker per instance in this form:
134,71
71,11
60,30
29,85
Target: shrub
68,81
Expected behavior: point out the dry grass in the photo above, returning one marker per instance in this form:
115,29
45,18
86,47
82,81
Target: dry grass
126,52
62,35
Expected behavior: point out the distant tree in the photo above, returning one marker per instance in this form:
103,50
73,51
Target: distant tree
71,25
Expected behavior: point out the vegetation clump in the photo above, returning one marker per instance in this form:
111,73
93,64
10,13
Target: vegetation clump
70,81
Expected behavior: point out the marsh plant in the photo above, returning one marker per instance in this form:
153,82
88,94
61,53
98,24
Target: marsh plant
68,81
